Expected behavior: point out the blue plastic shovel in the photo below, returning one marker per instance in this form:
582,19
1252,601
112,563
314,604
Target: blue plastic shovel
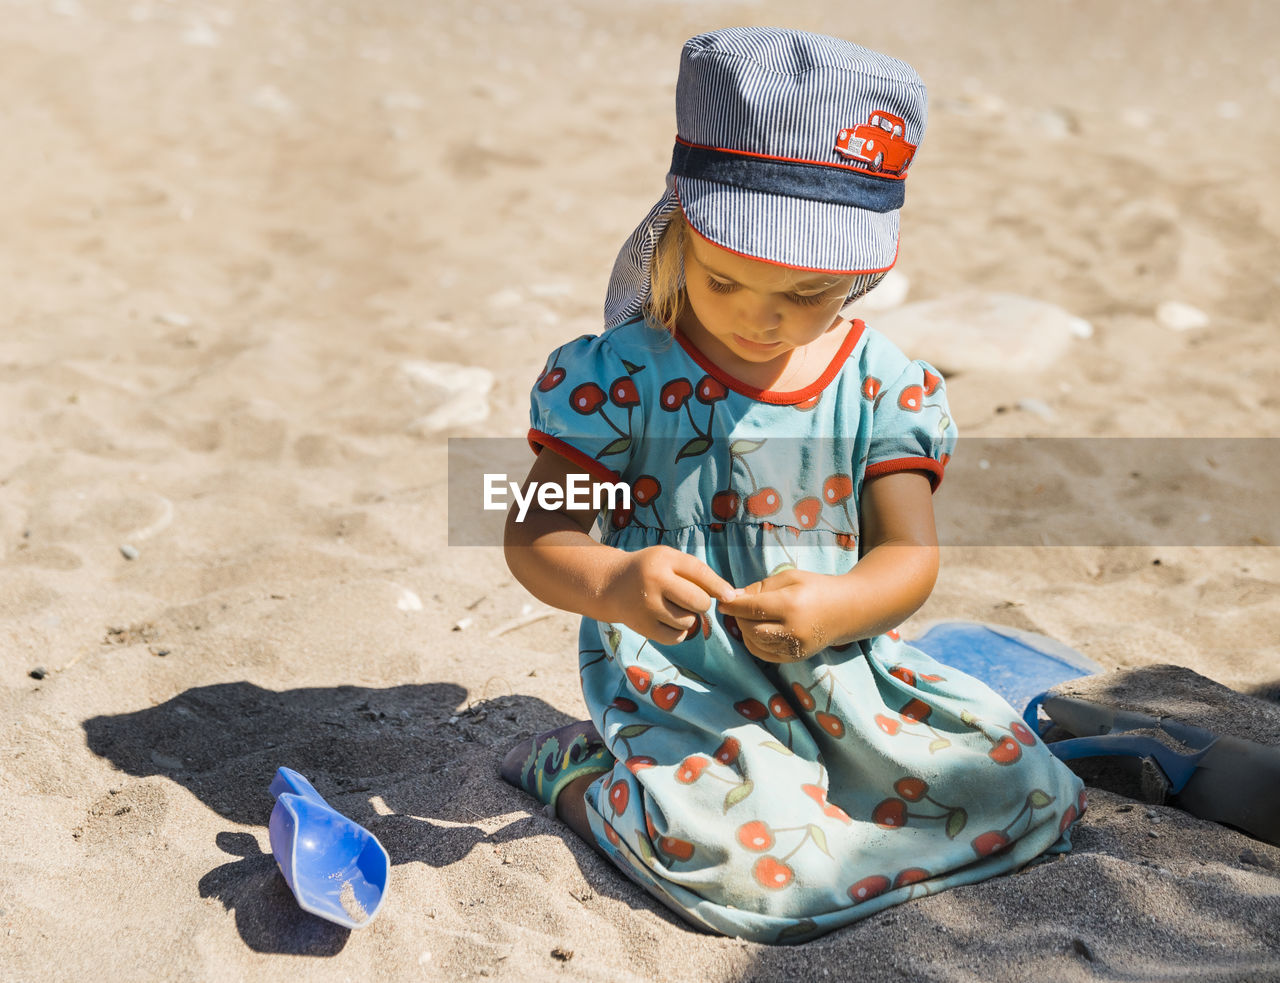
335,868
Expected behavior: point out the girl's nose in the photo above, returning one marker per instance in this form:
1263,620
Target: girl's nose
760,312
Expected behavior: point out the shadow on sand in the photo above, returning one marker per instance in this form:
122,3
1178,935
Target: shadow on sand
408,745
429,762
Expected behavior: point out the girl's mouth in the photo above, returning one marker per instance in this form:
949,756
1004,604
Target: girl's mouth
756,346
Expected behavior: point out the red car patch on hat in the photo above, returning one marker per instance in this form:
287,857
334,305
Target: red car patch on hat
878,143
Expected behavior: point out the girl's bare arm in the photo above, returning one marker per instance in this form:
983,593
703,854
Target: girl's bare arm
899,565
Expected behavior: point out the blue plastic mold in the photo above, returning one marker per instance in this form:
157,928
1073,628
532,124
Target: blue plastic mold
1019,665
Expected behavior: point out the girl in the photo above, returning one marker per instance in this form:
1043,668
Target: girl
764,754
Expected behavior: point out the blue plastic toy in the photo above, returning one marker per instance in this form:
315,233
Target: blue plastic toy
1219,777
335,868
1019,665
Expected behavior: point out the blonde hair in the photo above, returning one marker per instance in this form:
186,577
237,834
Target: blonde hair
666,297
666,275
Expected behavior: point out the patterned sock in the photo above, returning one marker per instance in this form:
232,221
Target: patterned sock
545,765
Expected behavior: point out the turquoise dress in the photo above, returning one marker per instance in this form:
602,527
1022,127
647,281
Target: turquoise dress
778,802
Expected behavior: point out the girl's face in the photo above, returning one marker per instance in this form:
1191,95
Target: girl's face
756,310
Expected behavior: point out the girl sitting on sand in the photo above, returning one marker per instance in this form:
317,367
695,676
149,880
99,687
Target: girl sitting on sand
764,754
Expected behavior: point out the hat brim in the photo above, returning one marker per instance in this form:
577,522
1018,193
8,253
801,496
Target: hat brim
806,235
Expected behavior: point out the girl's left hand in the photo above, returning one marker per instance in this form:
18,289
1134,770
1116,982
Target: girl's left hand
787,617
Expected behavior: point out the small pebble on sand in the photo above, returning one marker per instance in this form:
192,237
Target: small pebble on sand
1177,316
1248,856
271,99
1136,118
166,761
201,35
39,672
408,600
506,298
460,393
129,552
972,330
1081,328
1036,407
1054,123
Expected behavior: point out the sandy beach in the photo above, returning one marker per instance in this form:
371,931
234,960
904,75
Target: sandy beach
264,259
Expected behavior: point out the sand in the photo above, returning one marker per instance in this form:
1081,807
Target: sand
351,904
248,246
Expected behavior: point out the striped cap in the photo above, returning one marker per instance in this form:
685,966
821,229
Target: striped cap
791,148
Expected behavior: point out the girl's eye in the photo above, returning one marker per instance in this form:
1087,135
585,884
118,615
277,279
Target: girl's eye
804,300
809,300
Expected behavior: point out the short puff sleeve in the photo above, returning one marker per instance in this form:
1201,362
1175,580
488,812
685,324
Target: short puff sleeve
911,428
585,406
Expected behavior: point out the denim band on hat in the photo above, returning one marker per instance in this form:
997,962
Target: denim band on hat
792,148
794,179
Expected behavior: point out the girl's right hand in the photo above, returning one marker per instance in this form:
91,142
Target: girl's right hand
659,591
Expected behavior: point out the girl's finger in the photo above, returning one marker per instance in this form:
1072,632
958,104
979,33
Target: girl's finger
768,606
757,645
693,569
664,634
687,595
774,643
677,618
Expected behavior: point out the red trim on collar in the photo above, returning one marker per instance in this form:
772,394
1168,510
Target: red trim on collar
770,395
